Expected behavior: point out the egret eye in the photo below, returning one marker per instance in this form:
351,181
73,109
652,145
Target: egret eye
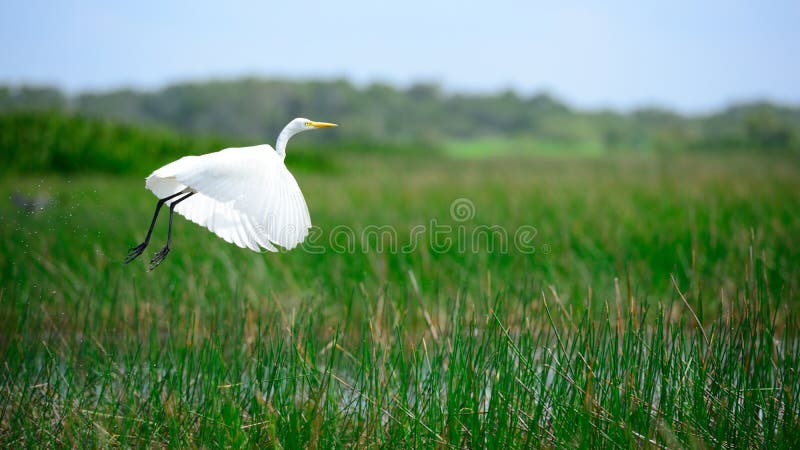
308,124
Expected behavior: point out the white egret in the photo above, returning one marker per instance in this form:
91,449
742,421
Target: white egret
245,195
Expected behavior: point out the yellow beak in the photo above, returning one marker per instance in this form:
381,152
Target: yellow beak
323,125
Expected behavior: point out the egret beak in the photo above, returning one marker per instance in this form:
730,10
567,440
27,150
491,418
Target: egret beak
323,125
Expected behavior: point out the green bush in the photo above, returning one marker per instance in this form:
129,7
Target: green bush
58,142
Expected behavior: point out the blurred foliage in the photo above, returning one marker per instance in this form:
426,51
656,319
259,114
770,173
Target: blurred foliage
419,117
33,141
31,98
36,141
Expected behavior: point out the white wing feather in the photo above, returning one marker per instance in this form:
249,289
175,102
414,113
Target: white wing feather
245,195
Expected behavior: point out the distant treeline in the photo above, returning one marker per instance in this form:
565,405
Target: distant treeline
254,110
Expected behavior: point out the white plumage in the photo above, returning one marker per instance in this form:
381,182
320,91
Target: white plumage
245,195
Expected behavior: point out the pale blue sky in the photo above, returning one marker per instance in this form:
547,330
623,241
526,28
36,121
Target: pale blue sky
686,54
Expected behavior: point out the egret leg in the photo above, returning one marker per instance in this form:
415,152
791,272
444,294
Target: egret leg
134,252
161,254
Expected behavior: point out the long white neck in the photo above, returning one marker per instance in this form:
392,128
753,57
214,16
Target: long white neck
283,138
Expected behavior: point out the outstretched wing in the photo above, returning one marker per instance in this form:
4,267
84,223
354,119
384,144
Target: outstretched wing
246,196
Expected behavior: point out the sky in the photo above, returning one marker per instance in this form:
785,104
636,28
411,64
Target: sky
689,55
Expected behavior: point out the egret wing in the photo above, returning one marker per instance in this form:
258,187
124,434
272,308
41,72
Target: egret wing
246,195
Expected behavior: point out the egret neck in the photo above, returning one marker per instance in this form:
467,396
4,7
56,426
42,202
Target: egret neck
283,138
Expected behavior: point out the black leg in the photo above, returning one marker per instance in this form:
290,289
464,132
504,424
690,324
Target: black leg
134,252
161,254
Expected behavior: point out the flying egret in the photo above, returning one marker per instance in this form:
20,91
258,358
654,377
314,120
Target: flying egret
245,195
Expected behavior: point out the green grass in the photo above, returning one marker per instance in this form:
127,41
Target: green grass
592,340
505,146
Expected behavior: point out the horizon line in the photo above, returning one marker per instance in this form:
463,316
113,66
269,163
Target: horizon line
442,86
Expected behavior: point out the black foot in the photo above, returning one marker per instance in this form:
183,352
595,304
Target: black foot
159,257
134,252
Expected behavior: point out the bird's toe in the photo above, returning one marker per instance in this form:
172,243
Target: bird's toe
159,257
134,252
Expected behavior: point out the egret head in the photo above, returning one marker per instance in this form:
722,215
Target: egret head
297,126
302,124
